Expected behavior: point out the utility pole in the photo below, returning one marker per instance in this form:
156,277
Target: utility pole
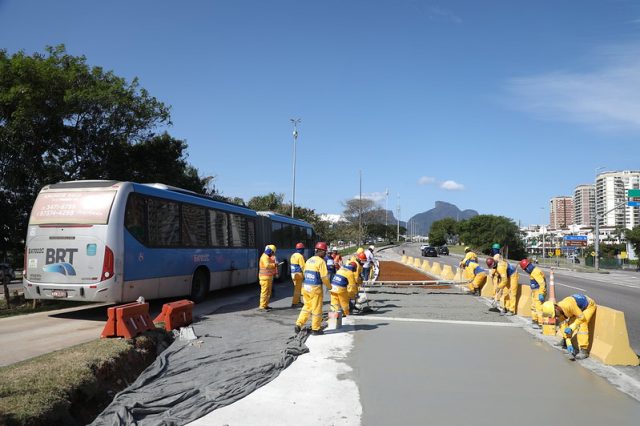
398,213
295,122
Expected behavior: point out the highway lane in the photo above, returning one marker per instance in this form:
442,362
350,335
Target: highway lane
617,290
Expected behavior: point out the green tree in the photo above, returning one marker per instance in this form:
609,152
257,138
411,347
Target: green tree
270,202
61,119
633,237
441,230
484,230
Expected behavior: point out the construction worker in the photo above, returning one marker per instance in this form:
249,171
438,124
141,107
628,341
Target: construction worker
315,275
505,276
538,290
479,278
331,266
297,266
267,270
339,288
368,263
469,256
358,259
337,259
576,312
495,249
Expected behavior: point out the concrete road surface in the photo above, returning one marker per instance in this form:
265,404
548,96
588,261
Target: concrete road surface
387,371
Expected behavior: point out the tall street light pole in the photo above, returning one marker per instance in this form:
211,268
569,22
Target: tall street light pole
544,242
596,237
295,122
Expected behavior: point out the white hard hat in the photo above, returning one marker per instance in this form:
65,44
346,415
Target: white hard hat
371,247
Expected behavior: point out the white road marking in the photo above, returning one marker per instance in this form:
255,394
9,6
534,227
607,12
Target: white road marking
492,324
570,286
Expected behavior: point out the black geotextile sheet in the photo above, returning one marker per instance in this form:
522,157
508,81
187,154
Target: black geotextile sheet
238,350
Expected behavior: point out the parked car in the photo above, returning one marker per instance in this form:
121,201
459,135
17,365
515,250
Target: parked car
8,271
429,251
443,250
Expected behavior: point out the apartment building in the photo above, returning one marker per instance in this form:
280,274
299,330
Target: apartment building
561,212
584,207
611,198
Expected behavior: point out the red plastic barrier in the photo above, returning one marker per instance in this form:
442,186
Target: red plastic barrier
127,320
176,314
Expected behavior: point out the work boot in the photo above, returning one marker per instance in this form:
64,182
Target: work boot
503,311
510,314
317,332
534,324
297,305
297,329
582,354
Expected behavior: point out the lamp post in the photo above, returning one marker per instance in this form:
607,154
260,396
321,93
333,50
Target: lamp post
295,122
544,243
386,212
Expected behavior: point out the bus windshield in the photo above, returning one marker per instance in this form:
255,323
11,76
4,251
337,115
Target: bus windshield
72,207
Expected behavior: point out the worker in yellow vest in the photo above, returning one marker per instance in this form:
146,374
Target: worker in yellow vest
479,278
297,266
538,290
315,276
266,273
339,284
505,276
576,312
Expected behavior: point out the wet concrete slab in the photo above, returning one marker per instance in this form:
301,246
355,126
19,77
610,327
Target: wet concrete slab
456,374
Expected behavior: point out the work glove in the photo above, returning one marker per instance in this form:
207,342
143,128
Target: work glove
570,350
568,331
541,297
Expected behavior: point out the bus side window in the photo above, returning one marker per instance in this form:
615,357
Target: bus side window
194,226
134,217
218,229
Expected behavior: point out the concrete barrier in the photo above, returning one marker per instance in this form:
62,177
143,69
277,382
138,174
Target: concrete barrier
426,266
523,307
488,289
436,269
610,343
447,273
409,260
417,262
404,258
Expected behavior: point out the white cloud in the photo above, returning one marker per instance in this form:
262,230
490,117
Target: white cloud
451,185
607,97
436,13
374,196
425,180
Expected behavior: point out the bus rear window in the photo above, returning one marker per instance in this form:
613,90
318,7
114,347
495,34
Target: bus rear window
73,207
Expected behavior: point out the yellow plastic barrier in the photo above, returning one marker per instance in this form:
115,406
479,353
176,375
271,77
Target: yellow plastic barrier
404,258
417,262
467,274
524,301
458,275
436,269
447,272
425,266
610,339
488,289
409,260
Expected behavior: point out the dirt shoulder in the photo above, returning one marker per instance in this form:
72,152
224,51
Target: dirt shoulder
72,386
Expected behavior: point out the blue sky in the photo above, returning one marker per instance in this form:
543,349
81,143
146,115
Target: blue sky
495,106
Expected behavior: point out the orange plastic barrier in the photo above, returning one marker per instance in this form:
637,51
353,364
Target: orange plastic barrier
127,320
176,314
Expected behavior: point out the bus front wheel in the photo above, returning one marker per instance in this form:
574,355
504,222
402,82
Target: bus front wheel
199,286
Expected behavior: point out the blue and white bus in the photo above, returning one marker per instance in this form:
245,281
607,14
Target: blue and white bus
110,241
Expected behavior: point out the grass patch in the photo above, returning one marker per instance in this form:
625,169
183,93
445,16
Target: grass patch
73,385
21,306
456,249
